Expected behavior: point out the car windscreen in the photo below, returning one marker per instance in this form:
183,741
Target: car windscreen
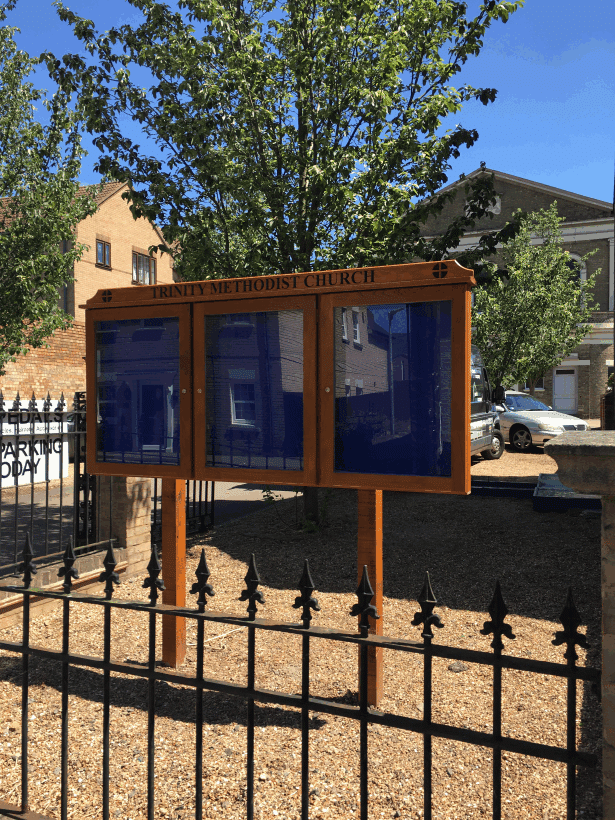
517,403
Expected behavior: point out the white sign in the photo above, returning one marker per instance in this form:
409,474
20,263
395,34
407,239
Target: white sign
32,447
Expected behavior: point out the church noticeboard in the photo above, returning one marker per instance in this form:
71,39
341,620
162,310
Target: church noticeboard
349,378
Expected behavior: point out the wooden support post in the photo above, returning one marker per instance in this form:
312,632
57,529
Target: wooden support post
174,568
370,555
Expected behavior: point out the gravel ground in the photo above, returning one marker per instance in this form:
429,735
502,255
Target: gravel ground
524,466
512,465
465,542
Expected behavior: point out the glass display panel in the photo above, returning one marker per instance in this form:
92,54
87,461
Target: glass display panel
137,391
254,390
393,389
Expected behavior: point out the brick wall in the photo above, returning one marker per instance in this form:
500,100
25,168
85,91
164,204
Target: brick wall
592,378
512,197
58,368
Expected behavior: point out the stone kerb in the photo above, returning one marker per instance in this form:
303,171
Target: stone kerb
586,463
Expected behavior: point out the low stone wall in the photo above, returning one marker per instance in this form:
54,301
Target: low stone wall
130,502
89,568
586,463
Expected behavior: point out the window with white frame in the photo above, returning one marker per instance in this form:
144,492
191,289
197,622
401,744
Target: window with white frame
356,331
540,384
344,325
143,269
243,403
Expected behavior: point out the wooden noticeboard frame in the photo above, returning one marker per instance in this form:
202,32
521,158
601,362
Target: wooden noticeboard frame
147,311
459,481
305,477
316,294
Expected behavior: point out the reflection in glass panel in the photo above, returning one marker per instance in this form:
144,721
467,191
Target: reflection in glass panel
254,390
393,389
137,391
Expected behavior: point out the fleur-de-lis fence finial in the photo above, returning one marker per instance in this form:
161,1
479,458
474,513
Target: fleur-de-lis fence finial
16,404
153,581
1,402
109,576
427,601
200,586
251,593
305,600
47,403
28,567
61,404
32,403
571,621
68,571
364,608
498,611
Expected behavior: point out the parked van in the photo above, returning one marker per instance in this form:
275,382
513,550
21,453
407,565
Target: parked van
485,439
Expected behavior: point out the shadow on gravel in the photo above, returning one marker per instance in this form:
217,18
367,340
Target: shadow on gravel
244,500
466,543
176,703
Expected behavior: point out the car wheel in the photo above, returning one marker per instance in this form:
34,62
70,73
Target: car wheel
521,439
497,447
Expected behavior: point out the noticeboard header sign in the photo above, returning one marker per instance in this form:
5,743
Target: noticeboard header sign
352,378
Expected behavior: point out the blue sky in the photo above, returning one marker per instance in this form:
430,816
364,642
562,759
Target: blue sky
553,65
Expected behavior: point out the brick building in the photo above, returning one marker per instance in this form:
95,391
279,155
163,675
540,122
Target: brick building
575,386
117,256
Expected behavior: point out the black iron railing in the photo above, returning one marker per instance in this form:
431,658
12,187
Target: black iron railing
44,488
304,702
200,504
46,491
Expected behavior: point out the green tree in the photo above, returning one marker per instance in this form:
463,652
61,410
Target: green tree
286,136
527,322
39,203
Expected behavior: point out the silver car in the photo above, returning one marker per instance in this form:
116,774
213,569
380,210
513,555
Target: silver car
526,422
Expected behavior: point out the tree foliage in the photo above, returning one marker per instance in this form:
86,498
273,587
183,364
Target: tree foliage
527,322
286,136
39,205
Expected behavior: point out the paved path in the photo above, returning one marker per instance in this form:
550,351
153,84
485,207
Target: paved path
237,499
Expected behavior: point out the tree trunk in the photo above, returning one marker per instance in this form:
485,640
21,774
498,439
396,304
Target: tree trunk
310,504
